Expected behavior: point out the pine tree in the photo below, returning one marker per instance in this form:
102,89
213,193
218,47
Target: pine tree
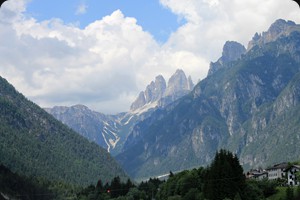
225,178
116,187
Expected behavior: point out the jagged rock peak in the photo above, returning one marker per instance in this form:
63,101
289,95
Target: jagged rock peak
154,91
177,83
231,51
139,102
190,83
278,28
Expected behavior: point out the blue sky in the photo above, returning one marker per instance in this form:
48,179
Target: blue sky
150,14
102,53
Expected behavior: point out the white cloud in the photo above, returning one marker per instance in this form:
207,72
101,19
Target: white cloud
81,9
105,65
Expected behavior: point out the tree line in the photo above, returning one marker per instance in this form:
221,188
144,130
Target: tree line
223,179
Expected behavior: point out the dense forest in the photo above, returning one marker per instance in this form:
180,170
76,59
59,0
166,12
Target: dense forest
222,180
34,143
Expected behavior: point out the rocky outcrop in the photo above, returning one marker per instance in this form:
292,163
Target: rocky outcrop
154,91
159,94
178,83
279,28
231,51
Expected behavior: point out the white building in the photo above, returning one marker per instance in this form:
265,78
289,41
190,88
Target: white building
291,175
277,171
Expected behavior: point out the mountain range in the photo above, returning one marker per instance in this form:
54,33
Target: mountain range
33,143
111,131
249,104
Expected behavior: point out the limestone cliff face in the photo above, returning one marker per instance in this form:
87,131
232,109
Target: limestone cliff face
232,51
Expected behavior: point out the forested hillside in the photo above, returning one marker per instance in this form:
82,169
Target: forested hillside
34,143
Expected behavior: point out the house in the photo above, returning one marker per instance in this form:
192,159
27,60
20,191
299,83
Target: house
277,171
258,174
291,175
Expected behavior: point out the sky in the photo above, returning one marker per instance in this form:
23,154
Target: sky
102,53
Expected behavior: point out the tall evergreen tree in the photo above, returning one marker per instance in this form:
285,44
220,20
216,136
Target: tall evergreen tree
116,187
225,178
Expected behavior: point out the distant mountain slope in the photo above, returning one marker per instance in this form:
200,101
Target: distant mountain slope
248,104
34,143
112,131
97,127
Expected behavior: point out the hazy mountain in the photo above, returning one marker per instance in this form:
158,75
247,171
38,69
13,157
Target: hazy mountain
249,105
34,143
89,123
111,131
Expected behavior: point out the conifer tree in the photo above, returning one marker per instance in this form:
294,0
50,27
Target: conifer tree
225,178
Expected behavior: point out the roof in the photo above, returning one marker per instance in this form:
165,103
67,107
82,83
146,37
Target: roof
283,165
292,166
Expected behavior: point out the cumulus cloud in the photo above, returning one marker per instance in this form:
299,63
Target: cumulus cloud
212,22
106,64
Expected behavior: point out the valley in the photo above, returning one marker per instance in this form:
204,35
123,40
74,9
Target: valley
249,104
240,106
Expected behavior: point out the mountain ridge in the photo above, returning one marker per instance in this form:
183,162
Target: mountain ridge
232,108
34,143
112,131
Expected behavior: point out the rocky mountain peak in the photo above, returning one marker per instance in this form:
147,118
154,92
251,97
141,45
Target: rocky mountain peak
231,51
154,91
178,82
190,83
178,85
62,109
278,28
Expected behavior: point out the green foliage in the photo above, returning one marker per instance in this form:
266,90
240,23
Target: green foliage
260,189
35,144
193,194
181,184
298,192
289,193
116,189
225,177
21,187
150,187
